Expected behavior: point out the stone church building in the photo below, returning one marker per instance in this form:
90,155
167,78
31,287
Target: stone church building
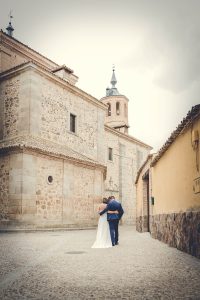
61,149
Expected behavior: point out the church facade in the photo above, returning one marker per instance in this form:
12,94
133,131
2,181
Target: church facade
61,149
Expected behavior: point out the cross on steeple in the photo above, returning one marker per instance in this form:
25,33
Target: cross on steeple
113,90
10,29
113,79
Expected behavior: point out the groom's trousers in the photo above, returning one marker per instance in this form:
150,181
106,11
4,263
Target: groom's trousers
113,224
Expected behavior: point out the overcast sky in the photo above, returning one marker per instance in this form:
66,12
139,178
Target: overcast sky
154,45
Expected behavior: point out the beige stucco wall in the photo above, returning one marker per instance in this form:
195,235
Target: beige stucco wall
173,177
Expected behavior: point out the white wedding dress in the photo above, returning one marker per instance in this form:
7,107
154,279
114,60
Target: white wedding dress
103,239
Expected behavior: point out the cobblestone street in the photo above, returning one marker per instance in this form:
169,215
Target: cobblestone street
62,265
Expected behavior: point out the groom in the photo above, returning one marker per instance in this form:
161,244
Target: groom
113,219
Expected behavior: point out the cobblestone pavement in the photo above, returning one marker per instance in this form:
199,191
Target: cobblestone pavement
62,265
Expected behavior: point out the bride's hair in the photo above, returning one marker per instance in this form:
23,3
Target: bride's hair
105,200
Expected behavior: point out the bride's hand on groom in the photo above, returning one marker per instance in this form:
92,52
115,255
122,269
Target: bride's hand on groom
113,212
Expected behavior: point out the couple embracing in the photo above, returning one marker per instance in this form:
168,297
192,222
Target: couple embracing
110,212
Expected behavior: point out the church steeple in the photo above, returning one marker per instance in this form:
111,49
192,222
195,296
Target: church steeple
113,90
113,79
10,29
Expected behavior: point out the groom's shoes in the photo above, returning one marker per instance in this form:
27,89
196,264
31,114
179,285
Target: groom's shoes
115,244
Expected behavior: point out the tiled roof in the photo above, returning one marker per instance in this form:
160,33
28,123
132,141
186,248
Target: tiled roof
47,147
186,123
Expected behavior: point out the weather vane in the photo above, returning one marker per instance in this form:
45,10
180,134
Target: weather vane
10,15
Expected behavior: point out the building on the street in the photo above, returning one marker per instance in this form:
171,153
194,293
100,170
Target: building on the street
168,188
143,196
61,149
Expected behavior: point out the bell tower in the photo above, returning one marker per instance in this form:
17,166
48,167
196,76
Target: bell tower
117,113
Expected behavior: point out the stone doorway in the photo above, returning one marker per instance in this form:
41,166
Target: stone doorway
146,206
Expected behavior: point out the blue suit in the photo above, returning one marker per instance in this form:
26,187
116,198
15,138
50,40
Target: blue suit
113,219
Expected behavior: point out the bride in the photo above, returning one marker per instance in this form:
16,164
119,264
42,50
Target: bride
103,239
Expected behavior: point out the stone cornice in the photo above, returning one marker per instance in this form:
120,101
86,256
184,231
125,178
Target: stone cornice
14,71
114,96
46,73
42,146
28,52
27,149
63,67
126,137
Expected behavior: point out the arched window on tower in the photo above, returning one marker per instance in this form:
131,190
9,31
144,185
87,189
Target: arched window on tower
118,108
109,109
125,110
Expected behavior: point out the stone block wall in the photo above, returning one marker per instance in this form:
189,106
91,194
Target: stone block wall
10,189
9,58
56,105
122,171
9,108
179,230
141,223
28,199
49,194
4,188
73,196
16,104
32,104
